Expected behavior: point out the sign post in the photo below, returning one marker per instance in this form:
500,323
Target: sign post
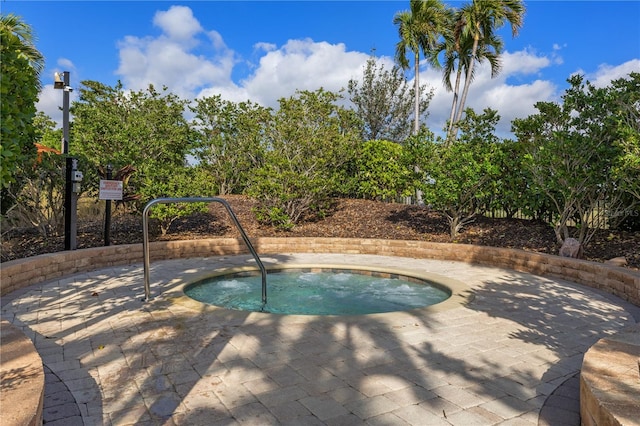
109,190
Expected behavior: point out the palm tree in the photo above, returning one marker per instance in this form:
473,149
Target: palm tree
419,30
457,54
478,21
18,37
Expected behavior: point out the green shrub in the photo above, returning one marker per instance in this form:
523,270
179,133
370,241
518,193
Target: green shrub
383,171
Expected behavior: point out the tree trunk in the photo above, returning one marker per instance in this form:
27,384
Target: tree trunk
454,104
467,83
416,121
416,108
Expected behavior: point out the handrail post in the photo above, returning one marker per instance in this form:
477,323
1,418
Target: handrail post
145,249
234,218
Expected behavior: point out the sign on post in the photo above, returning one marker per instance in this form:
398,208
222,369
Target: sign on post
110,190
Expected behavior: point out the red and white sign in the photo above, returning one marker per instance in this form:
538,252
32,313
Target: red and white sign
110,190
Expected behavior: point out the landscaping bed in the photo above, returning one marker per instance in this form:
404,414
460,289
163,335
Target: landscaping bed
348,218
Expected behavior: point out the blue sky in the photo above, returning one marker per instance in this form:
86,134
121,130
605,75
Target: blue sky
265,50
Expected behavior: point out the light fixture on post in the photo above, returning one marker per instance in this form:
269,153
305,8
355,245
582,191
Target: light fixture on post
72,175
58,81
61,81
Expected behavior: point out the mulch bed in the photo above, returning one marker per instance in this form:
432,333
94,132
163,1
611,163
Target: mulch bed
348,218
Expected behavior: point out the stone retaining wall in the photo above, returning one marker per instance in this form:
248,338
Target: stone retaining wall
621,282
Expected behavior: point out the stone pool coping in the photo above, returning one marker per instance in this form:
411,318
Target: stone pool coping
621,282
460,292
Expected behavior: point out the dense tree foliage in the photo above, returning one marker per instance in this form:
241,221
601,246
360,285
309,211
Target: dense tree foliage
567,160
187,182
384,102
460,174
574,149
46,133
229,140
38,197
384,171
624,107
511,191
308,145
145,130
20,67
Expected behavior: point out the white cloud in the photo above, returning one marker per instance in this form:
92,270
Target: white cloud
556,57
298,65
523,62
65,64
605,73
172,59
517,101
50,102
178,23
230,92
266,47
302,65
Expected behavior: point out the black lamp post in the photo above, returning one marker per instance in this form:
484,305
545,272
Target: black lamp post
72,176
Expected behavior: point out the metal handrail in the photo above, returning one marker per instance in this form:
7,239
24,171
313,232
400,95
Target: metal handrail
145,238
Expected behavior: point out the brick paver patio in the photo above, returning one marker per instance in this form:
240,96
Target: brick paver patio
113,359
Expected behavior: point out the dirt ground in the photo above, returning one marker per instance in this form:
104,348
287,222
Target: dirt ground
349,219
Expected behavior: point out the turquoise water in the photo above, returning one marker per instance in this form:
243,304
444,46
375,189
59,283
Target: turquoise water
317,293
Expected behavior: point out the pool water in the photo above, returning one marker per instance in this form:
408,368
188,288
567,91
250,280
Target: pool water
318,293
